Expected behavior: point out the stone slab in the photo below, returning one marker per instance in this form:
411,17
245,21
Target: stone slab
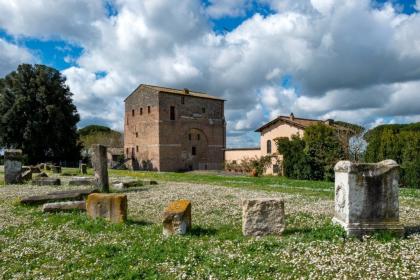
177,218
263,216
46,181
12,166
57,196
112,207
80,181
64,206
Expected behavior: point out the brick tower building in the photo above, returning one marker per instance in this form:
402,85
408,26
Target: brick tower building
169,129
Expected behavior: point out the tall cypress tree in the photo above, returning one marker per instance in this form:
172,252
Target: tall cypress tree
37,114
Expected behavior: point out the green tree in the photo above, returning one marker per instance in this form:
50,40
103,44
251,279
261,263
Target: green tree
324,149
38,115
296,164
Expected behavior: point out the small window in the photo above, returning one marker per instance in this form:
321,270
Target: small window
132,152
268,146
198,137
126,151
127,120
137,149
172,113
182,99
203,110
132,112
137,134
148,109
189,136
193,151
141,111
276,169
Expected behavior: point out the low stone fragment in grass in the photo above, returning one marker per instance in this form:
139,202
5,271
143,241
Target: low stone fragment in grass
41,175
263,216
177,218
27,175
57,196
56,169
64,206
112,207
127,185
80,181
46,181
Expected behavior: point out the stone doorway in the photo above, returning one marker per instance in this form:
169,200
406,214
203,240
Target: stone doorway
195,149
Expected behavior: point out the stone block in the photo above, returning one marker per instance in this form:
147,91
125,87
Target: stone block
56,169
83,168
41,175
366,197
27,175
177,218
57,196
264,216
12,166
126,185
64,206
45,181
80,181
112,207
100,165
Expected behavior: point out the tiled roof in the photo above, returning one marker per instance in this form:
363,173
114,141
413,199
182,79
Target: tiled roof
299,123
180,92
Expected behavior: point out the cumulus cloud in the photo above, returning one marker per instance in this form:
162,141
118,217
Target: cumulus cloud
349,60
11,56
66,19
231,8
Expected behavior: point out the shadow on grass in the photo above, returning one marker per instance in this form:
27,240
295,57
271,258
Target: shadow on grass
138,222
409,230
200,231
328,232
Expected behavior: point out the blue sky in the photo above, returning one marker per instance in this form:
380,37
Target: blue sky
357,61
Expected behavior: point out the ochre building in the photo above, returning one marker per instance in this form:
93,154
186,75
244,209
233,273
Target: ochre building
282,126
168,129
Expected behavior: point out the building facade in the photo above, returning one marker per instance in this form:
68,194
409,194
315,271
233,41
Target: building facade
169,129
282,126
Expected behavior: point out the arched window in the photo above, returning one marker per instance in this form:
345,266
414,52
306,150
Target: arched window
268,146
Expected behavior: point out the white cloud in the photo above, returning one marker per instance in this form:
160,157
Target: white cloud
11,56
231,8
347,60
68,19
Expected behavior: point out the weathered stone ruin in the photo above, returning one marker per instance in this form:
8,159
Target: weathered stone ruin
80,181
12,166
366,197
83,168
65,206
100,164
46,181
177,218
263,216
112,207
57,196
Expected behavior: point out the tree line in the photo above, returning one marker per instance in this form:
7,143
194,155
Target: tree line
313,157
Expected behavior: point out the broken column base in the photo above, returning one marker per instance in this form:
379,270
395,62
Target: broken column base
360,229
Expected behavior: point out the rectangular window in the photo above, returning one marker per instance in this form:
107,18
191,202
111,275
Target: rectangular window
137,149
126,151
132,152
132,112
127,120
172,113
193,151
148,109
182,99
141,111
137,134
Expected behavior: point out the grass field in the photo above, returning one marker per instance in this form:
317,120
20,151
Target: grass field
70,246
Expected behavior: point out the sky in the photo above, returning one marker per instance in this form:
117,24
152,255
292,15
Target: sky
350,60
